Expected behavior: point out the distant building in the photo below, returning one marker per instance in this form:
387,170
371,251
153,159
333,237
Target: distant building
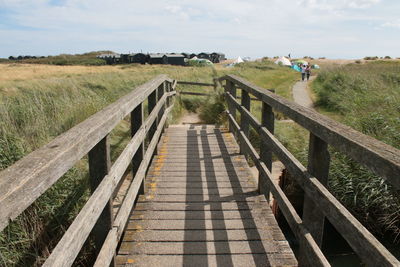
186,55
176,59
110,58
204,55
158,59
217,57
138,58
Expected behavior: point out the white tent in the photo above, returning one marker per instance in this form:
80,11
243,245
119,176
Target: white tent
283,61
238,60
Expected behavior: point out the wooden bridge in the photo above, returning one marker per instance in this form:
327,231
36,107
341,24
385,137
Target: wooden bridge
192,200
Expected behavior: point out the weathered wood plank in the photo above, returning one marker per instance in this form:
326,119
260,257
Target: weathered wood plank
268,121
27,179
239,260
137,118
318,166
197,236
195,83
99,166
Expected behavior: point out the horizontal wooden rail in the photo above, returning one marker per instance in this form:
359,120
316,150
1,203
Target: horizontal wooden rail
193,93
196,83
375,155
23,182
364,243
72,241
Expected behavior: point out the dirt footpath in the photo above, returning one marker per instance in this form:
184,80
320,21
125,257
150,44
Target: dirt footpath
301,95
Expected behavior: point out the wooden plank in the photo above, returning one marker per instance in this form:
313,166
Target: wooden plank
193,93
268,121
244,124
198,224
375,155
260,260
231,89
152,101
193,248
27,179
99,166
318,166
197,236
359,238
137,118
195,215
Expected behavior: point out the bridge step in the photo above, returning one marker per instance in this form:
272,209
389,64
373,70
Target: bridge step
202,208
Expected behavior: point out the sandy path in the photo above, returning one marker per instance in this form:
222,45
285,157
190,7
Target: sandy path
300,93
190,118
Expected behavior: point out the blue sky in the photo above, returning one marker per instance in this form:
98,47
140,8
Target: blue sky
255,28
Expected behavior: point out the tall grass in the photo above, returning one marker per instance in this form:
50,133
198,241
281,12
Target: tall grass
367,98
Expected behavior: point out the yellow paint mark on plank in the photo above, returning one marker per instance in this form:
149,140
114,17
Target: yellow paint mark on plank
131,261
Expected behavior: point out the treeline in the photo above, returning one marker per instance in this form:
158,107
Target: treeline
63,59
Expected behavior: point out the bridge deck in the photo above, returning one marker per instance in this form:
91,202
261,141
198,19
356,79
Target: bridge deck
201,208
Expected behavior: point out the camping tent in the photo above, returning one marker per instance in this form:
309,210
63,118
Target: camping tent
300,61
283,61
238,60
296,68
315,66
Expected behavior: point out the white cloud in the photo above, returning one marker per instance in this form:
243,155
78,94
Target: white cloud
237,27
338,4
392,24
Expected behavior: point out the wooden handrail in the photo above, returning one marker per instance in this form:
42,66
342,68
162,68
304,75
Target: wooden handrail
23,182
380,158
364,243
196,83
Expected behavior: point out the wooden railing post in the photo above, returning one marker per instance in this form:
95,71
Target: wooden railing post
318,166
137,119
152,102
230,88
268,121
99,166
244,122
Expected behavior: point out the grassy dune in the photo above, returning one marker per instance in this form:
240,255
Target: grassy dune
367,98
39,102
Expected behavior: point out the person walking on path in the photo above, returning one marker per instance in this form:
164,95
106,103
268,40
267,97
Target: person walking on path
308,72
303,72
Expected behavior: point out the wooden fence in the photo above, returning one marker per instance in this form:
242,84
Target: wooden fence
22,183
319,203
